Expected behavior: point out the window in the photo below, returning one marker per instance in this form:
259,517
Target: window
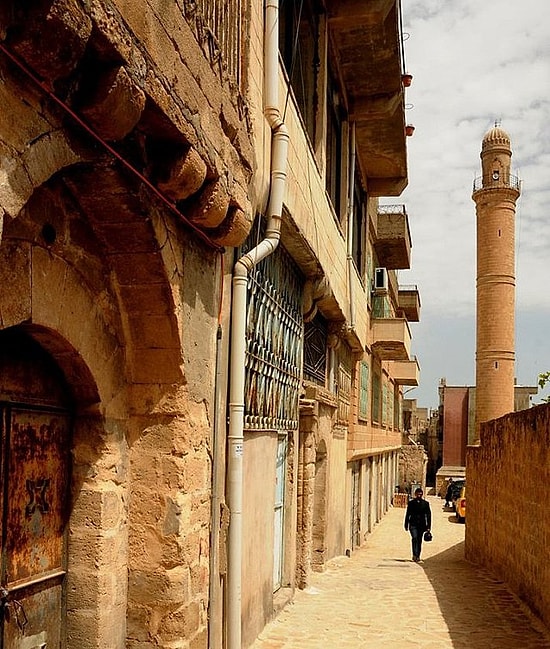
376,394
334,147
299,47
359,227
384,403
363,390
315,350
345,366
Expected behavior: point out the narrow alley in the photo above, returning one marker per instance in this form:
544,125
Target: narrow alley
380,599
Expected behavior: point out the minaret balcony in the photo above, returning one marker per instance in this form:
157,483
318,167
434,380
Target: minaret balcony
391,339
499,181
408,299
393,238
405,372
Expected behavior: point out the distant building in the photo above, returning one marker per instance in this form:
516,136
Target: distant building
457,406
415,421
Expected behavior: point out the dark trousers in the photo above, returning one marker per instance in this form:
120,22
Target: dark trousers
416,540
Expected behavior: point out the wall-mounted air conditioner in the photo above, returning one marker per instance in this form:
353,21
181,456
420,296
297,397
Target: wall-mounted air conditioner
380,280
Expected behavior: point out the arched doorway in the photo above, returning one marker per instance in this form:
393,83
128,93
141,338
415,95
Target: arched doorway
36,418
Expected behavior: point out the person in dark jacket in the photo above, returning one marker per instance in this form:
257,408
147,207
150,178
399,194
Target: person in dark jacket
418,519
449,494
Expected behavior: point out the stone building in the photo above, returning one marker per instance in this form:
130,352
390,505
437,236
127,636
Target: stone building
181,450
456,421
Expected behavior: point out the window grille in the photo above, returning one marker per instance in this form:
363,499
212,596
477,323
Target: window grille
274,343
218,26
344,383
315,350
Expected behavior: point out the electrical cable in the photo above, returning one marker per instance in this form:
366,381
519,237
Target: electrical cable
171,206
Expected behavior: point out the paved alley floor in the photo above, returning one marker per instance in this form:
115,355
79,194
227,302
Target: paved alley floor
380,599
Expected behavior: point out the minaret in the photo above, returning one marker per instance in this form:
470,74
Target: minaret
495,195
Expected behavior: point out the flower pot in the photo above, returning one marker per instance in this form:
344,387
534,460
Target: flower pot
409,130
406,79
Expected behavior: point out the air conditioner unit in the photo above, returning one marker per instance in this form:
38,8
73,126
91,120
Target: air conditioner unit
380,280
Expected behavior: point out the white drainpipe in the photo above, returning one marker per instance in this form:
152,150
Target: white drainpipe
279,148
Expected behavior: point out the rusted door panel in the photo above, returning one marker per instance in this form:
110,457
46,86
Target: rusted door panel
37,479
36,474
32,616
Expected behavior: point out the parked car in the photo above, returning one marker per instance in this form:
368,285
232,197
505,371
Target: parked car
460,506
456,488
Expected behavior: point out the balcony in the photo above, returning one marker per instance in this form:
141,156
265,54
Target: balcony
408,300
393,239
405,372
368,46
391,339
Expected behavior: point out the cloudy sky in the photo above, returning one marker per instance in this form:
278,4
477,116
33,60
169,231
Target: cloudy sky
472,63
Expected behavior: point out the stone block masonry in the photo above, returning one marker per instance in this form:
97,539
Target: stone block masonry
508,520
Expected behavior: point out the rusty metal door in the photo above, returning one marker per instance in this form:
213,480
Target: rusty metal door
34,486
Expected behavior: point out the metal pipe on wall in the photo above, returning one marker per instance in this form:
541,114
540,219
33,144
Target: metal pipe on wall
279,151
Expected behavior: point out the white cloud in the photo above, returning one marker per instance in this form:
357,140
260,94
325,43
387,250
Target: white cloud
473,63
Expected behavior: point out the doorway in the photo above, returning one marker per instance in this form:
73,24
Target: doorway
35,439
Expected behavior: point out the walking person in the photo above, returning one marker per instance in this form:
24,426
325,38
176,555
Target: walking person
449,494
418,519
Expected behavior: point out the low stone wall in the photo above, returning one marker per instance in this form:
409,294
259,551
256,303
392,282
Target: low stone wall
508,514
412,467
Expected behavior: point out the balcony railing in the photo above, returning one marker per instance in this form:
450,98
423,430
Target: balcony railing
505,180
392,209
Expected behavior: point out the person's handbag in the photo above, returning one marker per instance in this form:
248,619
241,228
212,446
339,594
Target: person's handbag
428,536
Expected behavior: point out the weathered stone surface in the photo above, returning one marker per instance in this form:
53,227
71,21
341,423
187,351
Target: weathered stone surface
116,105
508,533
54,38
211,206
185,176
15,272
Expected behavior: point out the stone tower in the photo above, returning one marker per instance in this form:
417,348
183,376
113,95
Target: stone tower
495,194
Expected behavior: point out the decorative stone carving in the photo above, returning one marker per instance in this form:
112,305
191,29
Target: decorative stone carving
314,290
185,176
210,208
116,105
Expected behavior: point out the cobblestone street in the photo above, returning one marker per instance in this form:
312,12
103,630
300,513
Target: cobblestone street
380,599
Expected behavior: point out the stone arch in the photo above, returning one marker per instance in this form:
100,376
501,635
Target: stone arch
87,280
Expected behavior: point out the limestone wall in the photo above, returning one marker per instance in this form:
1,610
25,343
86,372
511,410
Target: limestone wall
412,467
508,519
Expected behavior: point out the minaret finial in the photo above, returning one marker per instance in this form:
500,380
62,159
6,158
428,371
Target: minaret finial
498,122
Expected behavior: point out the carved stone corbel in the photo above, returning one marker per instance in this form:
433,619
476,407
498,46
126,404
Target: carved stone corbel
314,290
